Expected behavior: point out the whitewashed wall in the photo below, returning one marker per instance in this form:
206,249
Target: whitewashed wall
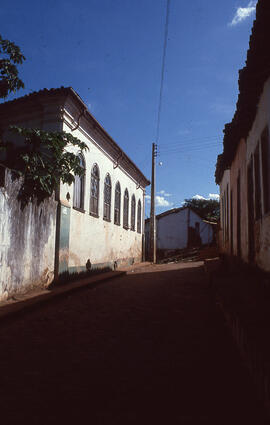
92,238
172,231
262,226
224,245
27,241
206,229
31,240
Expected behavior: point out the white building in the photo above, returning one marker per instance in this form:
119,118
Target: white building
180,228
243,168
100,218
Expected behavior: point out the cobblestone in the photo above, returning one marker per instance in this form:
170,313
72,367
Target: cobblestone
147,348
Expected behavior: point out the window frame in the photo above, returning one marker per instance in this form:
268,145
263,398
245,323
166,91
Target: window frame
126,210
117,204
79,187
139,216
133,213
107,191
94,206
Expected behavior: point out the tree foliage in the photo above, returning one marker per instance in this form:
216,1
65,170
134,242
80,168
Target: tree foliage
43,161
209,209
10,57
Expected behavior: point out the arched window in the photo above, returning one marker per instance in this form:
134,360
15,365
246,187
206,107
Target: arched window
125,211
133,212
78,193
107,198
117,203
94,190
139,217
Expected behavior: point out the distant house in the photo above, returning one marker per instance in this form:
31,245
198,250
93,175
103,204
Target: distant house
243,169
180,228
96,222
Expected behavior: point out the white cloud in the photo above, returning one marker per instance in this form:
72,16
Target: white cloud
162,202
163,193
198,197
148,199
214,196
210,196
243,13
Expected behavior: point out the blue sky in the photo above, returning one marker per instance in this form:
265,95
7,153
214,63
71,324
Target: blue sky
110,52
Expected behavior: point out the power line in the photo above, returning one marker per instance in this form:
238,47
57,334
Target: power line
187,148
184,142
190,139
190,146
200,140
163,67
188,151
195,148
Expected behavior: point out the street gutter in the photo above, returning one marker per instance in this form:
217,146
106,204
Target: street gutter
30,302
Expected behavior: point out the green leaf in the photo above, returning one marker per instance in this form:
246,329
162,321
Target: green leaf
44,161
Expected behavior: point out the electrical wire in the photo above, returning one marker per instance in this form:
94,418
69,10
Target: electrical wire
190,148
188,140
195,142
196,146
163,68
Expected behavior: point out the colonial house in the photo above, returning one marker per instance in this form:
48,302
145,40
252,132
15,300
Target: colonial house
180,228
96,222
243,169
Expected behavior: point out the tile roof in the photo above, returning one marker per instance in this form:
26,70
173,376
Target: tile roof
66,91
174,211
251,82
35,95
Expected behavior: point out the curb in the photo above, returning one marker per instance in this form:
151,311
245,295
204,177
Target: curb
12,311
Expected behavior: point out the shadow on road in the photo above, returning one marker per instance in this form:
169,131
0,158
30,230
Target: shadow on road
145,348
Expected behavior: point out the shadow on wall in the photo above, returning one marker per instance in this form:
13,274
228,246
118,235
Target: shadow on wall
67,277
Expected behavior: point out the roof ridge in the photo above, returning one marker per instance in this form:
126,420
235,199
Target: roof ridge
70,91
36,93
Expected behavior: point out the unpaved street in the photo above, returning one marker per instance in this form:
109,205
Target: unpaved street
146,348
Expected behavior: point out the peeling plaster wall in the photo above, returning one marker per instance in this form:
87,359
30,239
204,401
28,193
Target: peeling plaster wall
27,241
93,238
31,241
262,225
224,241
239,166
262,240
239,169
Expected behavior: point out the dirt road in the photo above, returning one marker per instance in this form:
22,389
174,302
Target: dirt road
147,348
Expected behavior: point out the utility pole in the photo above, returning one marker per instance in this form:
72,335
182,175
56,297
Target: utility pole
153,234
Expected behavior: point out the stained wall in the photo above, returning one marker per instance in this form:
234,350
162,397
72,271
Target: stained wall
102,242
27,241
